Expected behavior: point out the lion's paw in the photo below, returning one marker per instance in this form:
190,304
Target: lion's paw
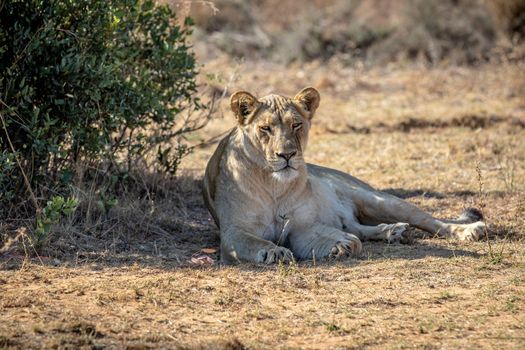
395,233
471,232
350,245
273,255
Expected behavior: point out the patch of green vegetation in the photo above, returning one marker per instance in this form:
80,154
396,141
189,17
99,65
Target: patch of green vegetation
512,305
54,210
496,258
331,327
446,295
286,270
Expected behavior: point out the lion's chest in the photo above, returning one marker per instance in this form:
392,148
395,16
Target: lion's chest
295,214
277,228
320,205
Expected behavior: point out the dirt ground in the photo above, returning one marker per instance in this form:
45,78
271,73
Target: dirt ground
443,138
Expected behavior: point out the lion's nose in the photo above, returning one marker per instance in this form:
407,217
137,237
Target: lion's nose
286,156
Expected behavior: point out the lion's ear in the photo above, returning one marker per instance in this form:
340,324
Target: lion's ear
308,98
243,104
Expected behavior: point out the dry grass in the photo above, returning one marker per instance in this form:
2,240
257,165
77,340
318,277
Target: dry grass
416,132
436,294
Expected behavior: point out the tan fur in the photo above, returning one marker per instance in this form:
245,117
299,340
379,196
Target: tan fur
270,205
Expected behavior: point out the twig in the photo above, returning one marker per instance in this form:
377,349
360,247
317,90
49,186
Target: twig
185,129
482,205
19,55
26,180
230,81
211,141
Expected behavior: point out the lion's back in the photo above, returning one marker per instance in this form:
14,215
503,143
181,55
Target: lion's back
336,177
209,184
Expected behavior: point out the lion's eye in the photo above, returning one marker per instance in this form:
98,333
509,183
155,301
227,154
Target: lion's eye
296,125
266,129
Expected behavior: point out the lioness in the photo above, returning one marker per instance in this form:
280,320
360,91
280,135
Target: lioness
272,206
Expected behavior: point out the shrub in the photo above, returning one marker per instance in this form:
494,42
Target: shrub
50,215
97,85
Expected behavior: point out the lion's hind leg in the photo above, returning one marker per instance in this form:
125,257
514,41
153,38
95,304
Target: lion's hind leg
383,232
469,226
381,208
467,232
397,232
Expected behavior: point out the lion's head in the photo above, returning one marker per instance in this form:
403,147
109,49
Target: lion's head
276,128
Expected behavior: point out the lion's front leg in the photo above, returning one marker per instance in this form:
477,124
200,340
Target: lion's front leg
322,241
238,244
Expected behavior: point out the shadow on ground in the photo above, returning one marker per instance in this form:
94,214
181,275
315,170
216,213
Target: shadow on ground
426,193
173,246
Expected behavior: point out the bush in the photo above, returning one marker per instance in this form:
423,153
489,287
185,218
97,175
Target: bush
95,85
